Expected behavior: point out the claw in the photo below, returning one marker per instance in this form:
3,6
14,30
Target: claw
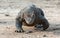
19,31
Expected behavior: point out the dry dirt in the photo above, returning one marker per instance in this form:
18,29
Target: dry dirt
51,10
7,30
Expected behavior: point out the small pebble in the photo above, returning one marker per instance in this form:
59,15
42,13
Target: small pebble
44,36
7,15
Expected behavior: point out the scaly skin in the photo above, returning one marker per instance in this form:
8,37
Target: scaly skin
35,15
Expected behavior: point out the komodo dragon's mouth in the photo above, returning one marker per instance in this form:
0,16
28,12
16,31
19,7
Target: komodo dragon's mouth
31,23
29,20
25,24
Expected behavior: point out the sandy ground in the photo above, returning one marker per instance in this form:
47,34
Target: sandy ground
11,7
7,30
